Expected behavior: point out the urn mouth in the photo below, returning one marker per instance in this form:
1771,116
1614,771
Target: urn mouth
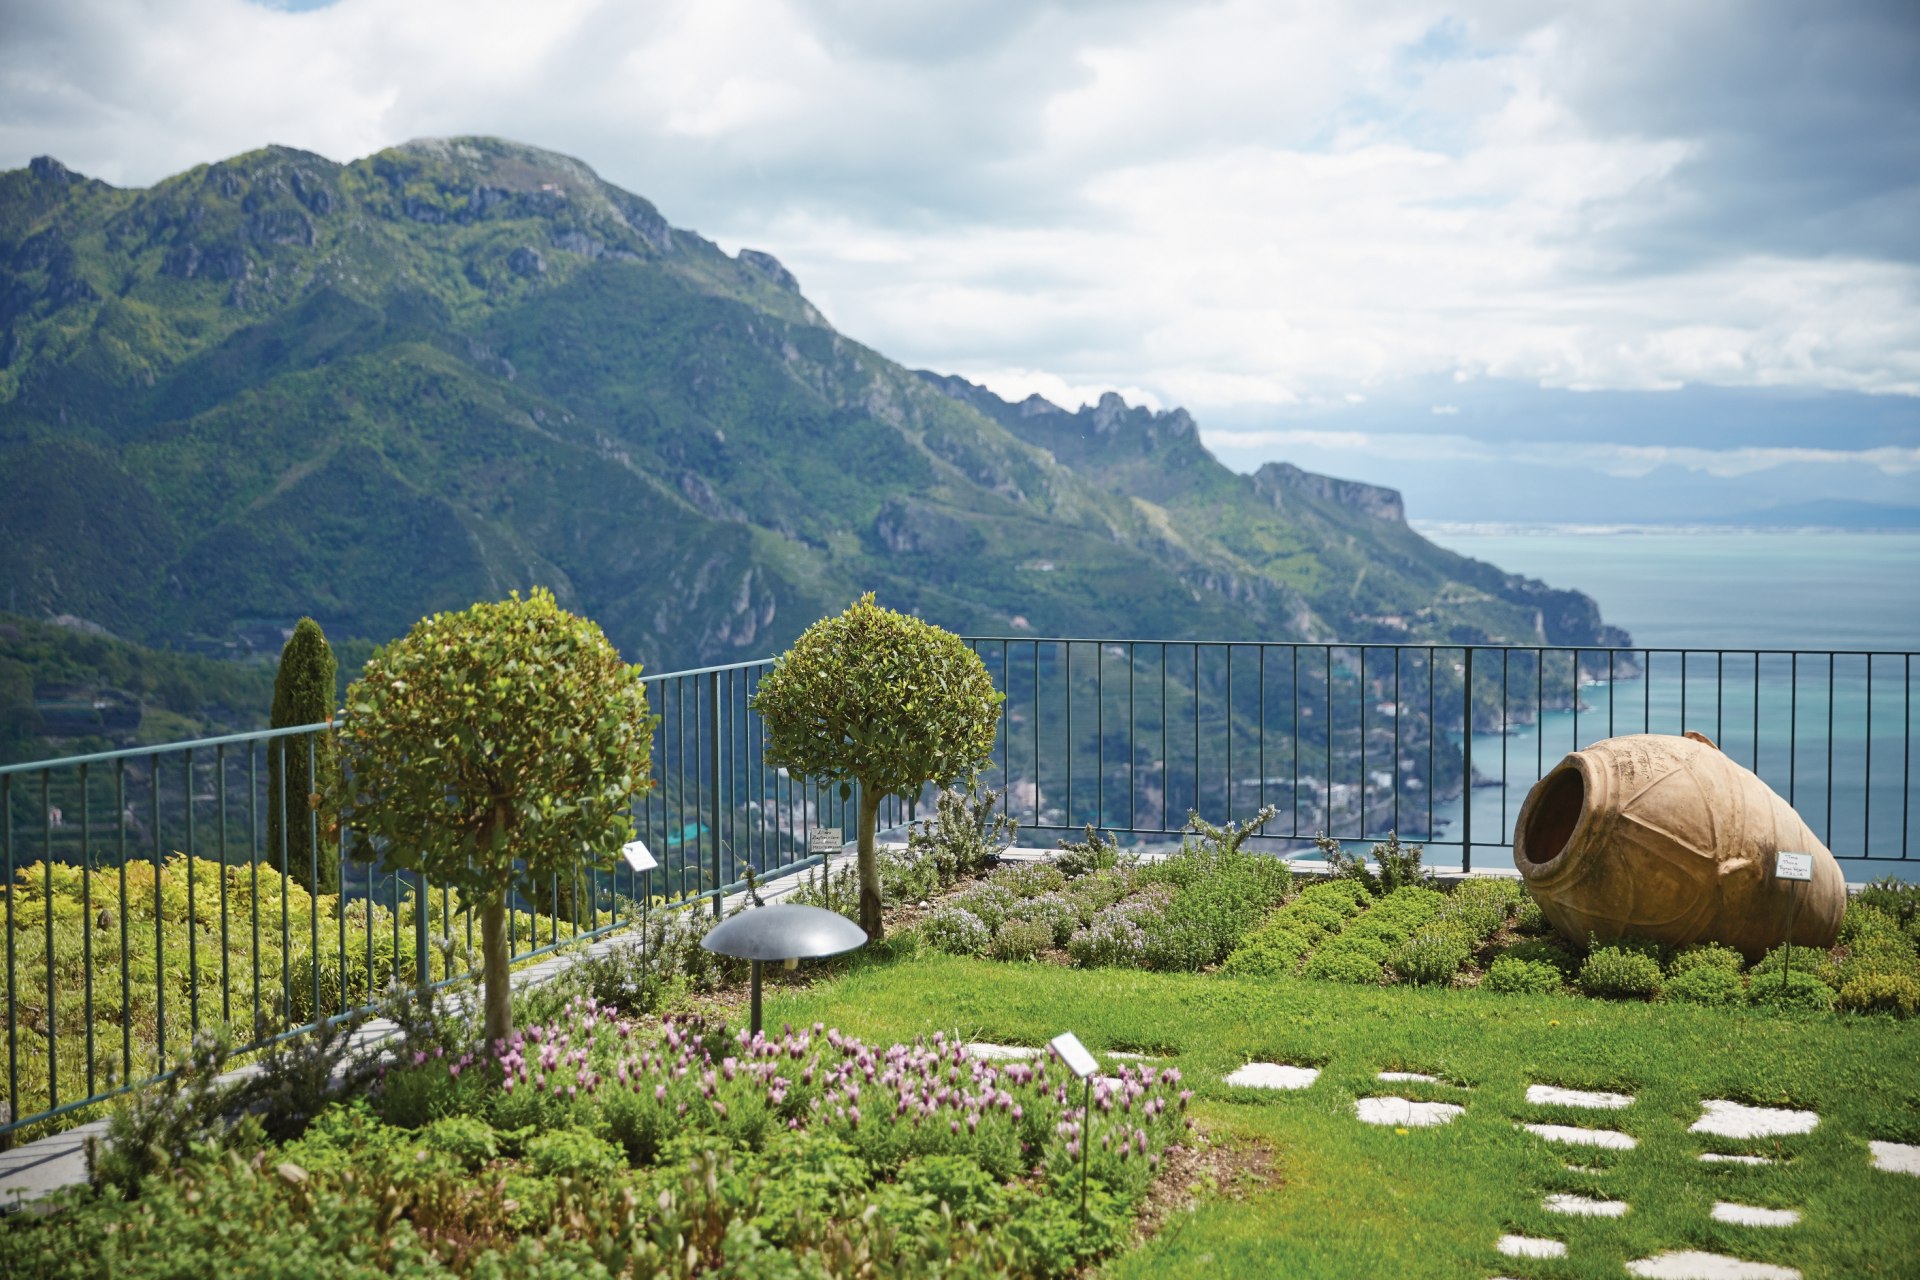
1551,820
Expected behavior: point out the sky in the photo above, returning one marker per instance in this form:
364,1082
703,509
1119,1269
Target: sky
1523,260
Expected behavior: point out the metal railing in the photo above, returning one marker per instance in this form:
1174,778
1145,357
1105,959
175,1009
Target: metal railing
187,919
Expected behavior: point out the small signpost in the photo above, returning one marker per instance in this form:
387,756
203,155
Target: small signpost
825,841
641,859
1795,869
1081,1063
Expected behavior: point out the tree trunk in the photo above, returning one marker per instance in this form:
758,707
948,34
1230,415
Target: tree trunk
869,864
495,949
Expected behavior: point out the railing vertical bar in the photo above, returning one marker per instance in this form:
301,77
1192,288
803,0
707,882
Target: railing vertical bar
313,891
1035,691
1133,755
1396,738
1261,651
1100,734
1575,678
1067,694
1294,708
1006,730
13,991
1430,738
1610,684
1326,805
1866,800
193,904
159,917
1684,655
1719,694
46,868
1228,815
86,916
226,937
1366,695
1466,767
277,765
1829,836
126,976
1505,671
1166,778
1756,711
1196,727
713,779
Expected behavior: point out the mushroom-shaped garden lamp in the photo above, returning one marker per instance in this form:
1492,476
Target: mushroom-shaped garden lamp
786,932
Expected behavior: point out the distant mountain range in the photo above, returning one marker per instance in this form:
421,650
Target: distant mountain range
277,385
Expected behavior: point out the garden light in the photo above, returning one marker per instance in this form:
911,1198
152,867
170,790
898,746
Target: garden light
785,932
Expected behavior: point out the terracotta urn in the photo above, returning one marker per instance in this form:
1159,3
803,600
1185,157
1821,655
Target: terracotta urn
1667,838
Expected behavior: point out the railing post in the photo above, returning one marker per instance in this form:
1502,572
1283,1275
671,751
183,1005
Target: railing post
1466,769
422,972
713,770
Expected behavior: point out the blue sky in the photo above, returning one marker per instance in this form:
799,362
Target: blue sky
1588,257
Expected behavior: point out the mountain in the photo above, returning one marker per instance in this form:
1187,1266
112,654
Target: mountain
277,385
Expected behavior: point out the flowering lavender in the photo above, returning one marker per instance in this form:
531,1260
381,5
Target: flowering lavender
956,930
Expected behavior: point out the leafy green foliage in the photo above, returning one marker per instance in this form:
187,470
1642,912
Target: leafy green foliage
306,766
1020,939
1395,864
1880,992
1094,851
966,835
493,749
1431,957
1511,973
1792,988
955,930
883,699
1710,984
1618,973
1708,955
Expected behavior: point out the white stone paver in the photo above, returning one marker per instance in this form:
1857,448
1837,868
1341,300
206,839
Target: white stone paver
1274,1075
1414,1077
1584,1206
1695,1265
1530,1247
1737,1120
1611,1139
1547,1095
1002,1052
1751,1215
1895,1157
1405,1111
1721,1157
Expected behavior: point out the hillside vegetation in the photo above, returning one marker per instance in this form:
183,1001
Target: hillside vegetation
277,385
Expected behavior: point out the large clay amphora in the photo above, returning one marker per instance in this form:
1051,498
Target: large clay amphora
1667,838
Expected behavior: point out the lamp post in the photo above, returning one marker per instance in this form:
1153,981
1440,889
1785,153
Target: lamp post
785,932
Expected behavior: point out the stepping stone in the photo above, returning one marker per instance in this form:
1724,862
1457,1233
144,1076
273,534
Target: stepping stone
1694,1265
1736,1120
1612,1139
1583,1207
1747,1215
1405,1111
1125,1055
1002,1052
1547,1095
1895,1157
1530,1247
1273,1075
1415,1077
1584,1168
1720,1157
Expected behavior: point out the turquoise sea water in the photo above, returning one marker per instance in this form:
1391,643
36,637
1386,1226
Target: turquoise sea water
1831,727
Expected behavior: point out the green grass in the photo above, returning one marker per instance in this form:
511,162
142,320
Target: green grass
1356,1200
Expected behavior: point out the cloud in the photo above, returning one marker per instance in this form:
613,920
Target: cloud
1217,204
1627,461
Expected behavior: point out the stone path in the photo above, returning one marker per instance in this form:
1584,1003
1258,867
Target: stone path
1695,1265
1583,1207
1273,1075
1405,1112
1737,1120
1611,1139
1895,1157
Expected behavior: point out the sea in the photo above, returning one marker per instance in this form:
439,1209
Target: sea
1795,650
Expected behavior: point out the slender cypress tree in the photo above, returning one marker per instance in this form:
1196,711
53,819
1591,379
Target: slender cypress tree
303,693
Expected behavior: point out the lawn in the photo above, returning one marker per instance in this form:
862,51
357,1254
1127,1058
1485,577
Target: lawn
1353,1200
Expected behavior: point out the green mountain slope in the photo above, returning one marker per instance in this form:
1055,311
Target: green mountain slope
277,385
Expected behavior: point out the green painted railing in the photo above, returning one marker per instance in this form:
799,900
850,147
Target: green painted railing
170,913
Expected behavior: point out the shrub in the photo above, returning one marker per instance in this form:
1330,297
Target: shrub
966,834
956,931
1863,920
1476,920
1431,957
1398,864
574,1153
1020,940
1495,891
303,693
1801,990
1541,951
1267,952
1101,889
1897,993
494,749
1513,974
1899,900
1094,852
1344,966
990,902
1887,953
1313,919
1030,879
1708,955
1706,983
1343,897
882,699
1529,918
1620,974
1114,938
1059,914
468,1139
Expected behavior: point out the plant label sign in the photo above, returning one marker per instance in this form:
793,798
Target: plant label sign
638,856
1074,1054
1793,866
823,840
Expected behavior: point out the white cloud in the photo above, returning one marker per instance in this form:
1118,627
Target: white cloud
1621,460
1221,204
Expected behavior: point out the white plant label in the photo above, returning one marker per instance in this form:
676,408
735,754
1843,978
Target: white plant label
1074,1054
823,840
1793,866
637,855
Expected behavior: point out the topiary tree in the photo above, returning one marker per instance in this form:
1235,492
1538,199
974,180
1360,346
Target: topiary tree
494,749
303,694
884,700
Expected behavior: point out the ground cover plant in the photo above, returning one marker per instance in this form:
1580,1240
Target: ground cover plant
207,939
585,1143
